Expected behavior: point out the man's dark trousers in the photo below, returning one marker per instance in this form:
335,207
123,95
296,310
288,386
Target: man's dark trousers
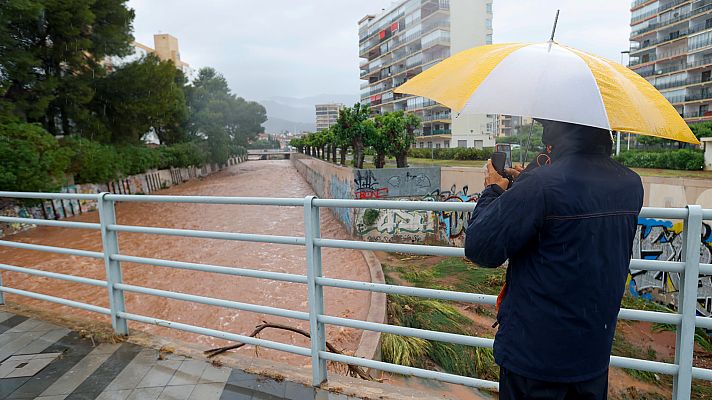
517,387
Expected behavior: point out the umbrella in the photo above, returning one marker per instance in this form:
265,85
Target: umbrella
550,81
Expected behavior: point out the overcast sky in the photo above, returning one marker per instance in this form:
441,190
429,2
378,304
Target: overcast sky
300,48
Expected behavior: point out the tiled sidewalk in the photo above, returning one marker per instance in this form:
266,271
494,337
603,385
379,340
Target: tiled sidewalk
45,361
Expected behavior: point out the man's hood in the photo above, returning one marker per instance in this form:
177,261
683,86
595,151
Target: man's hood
567,138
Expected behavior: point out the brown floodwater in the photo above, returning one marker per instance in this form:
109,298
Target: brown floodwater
253,178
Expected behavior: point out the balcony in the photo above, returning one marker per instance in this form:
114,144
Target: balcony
437,117
684,82
702,6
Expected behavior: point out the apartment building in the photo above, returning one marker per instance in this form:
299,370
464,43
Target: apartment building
671,47
326,115
165,47
407,39
508,125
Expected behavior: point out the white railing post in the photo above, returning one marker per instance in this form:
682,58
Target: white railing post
687,303
110,242
316,296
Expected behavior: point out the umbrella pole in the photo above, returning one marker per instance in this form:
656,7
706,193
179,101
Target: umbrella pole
553,31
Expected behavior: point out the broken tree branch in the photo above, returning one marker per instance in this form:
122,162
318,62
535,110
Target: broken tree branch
354,370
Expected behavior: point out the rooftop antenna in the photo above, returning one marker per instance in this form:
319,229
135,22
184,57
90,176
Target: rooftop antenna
553,30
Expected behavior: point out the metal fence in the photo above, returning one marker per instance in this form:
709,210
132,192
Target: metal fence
685,319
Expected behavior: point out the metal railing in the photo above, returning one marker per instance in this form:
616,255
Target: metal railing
685,319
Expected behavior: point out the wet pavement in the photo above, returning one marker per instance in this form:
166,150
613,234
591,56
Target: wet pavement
48,362
256,178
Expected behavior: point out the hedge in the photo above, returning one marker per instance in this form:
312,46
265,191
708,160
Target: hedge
457,153
685,159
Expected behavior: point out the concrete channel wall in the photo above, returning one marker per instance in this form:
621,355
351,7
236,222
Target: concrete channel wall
148,182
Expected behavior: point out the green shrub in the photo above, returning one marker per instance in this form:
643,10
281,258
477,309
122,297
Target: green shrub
93,162
684,159
32,159
457,153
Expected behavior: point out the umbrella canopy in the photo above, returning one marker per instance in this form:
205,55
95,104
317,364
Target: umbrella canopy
550,81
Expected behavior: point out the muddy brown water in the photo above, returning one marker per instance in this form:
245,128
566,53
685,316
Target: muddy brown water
253,178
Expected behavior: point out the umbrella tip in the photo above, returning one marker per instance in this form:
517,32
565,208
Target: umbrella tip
553,30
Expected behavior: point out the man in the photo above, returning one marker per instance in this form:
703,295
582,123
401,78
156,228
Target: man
567,229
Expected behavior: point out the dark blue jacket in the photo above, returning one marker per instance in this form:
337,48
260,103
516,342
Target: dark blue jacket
567,230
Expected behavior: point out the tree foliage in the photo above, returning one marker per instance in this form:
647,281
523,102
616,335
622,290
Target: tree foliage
32,159
351,127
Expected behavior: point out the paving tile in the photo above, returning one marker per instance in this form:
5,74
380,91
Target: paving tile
132,375
26,326
11,322
151,393
18,343
160,374
297,391
232,392
270,386
337,396
265,396
215,374
29,367
114,394
238,375
188,373
80,372
106,373
4,316
178,392
207,391
51,398
38,345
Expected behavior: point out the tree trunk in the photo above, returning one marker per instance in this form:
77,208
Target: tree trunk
333,153
358,154
344,150
379,160
402,160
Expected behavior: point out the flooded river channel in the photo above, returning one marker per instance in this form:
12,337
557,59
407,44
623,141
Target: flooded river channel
253,178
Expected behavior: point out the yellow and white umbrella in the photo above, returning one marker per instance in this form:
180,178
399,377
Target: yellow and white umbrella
550,81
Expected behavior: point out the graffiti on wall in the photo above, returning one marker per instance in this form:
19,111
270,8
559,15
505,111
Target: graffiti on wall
452,224
662,240
341,190
395,182
409,226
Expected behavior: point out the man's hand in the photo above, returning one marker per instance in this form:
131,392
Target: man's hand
514,172
494,178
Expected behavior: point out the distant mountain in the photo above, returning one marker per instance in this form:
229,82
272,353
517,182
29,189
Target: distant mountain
277,125
290,113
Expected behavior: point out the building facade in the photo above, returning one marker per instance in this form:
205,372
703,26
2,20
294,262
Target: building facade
326,115
671,47
407,39
165,47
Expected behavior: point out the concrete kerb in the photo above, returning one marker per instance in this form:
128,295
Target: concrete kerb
370,344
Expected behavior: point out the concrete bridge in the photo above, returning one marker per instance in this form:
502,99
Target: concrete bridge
268,154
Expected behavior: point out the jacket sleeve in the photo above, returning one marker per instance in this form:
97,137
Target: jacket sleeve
503,222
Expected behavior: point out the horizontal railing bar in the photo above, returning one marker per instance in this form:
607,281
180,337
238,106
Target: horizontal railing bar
707,214
396,204
702,373
409,291
246,237
403,370
657,265
59,196
250,201
705,269
54,275
279,312
649,316
251,273
52,249
703,322
644,365
58,300
392,247
51,222
659,212
302,351
405,331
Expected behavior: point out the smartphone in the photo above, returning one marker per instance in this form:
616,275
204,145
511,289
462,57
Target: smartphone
499,162
505,148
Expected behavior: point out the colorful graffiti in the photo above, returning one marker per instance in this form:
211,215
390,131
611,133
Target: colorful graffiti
662,240
367,186
341,190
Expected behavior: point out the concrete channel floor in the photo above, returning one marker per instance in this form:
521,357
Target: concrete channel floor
40,360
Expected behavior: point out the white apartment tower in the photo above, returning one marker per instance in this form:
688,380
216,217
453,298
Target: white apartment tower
671,47
410,37
326,115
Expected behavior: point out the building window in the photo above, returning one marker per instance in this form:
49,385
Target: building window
489,23
447,144
488,38
479,144
430,145
462,143
437,145
489,8
422,144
